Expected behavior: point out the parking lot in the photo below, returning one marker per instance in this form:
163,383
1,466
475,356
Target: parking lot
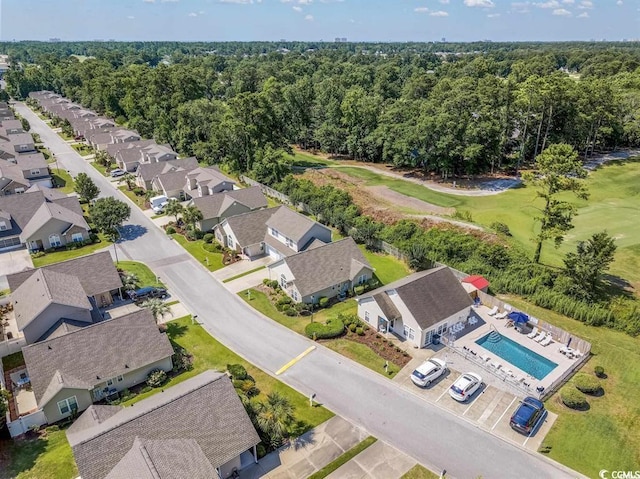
490,407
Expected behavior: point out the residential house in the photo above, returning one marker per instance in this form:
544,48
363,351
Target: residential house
68,373
218,206
417,307
146,172
114,148
85,126
322,270
129,158
12,181
32,167
207,181
277,232
41,219
100,140
11,127
97,275
17,143
196,429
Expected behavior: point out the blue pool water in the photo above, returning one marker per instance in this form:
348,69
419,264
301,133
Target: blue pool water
521,357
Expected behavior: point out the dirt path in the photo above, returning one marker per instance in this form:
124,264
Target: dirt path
404,201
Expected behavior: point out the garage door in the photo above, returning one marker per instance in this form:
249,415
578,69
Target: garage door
9,242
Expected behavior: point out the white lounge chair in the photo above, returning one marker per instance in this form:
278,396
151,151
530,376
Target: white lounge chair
484,357
495,364
540,337
493,311
502,315
547,341
566,350
473,320
533,332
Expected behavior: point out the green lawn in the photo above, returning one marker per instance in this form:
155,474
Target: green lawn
82,148
212,261
210,354
246,273
145,276
606,436
48,457
308,160
62,179
65,136
102,169
138,200
343,459
57,256
362,354
614,204
419,472
388,268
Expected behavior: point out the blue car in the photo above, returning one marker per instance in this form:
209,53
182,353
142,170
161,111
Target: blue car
529,413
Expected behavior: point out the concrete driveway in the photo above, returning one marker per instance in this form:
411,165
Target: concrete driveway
13,262
240,267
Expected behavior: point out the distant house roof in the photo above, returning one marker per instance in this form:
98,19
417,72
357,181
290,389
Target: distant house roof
173,180
48,211
205,409
31,161
91,355
44,288
431,296
478,282
209,175
325,266
250,228
148,171
291,224
50,194
111,136
114,148
213,206
96,273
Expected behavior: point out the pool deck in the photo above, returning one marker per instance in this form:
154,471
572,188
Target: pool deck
498,366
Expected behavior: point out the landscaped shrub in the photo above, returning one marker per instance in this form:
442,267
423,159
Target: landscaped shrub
573,398
145,389
358,290
599,370
237,371
53,428
332,328
156,378
38,254
284,300
360,331
587,383
138,191
247,386
291,311
299,307
499,227
211,247
171,230
182,360
208,238
273,284
353,327
323,302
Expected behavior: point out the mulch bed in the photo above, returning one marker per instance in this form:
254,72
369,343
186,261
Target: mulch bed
381,346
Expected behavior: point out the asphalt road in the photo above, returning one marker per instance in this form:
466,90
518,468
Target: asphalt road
435,438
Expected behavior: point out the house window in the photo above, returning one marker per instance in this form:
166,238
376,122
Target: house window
19,191
289,242
409,332
295,295
110,382
66,406
3,226
230,242
283,281
366,316
54,241
362,279
35,172
77,237
274,232
120,378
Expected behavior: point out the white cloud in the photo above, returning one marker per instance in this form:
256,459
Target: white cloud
130,17
421,9
309,18
619,2
297,8
444,2
300,2
149,1
169,1
549,4
239,2
569,2
585,5
439,13
584,15
520,7
562,12
493,15
193,14
479,3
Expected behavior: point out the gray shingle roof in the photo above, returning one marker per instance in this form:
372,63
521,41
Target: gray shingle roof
250,228
431,296
147,171
165,459
174,180
213,206
210,175
49,211
50,194
96,273
31,162
44,288
325,266
205,408
291,224
103,350
116,147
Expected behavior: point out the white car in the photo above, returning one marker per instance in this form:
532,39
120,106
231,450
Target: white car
428,371
465,386
117,172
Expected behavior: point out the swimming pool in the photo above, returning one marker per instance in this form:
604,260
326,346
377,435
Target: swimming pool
521,357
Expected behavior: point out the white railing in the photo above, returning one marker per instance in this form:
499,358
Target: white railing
24,423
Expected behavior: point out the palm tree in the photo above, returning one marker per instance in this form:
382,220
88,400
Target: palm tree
174,208
129,179
157,307
274,417
192,215
130,281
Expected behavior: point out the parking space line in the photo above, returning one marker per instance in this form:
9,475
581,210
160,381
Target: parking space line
474,401
443,393
504,412
294,360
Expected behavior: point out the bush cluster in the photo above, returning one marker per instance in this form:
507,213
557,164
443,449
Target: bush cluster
573,398
332,328
182,360
587,383
599,371
156,378
237,371
208,238
212,247
170,230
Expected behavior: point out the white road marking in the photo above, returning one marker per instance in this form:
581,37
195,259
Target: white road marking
505,412
474,401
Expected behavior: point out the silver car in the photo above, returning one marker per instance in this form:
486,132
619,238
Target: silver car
428,371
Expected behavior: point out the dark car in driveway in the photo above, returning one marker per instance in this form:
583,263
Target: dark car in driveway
142,294
528,415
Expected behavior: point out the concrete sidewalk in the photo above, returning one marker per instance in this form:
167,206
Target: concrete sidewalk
378,461
240,267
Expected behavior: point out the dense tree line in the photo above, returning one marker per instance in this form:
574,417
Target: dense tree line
449,108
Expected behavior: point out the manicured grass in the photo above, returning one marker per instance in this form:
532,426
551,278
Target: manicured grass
12,361
194,248
260,301
344,458
606,436
65,136
308,160
47,457
138,200
272,203
210,354
246,273
145,276
4,292
102,169
362,354
388,268
57,256
62,179
82,149
419,472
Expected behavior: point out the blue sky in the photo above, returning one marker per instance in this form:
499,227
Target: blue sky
358,20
